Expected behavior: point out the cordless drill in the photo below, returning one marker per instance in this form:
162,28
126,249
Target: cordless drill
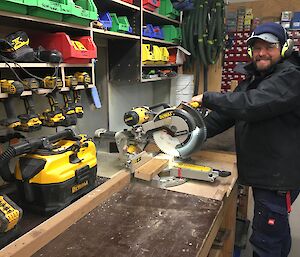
13,89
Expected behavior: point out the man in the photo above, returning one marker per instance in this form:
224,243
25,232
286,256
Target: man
265,110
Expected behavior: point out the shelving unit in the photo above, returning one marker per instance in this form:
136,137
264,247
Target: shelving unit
149,17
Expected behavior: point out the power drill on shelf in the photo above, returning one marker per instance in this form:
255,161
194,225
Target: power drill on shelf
30,120
84,79
54,116
13,89
69,105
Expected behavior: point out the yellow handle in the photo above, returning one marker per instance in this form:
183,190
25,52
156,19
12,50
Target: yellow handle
195,104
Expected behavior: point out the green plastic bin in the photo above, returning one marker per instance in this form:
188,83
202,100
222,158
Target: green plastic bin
82,12
166,8
49,9
172,33
119,24
16,6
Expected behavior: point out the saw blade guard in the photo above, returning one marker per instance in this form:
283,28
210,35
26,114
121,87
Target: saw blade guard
189,134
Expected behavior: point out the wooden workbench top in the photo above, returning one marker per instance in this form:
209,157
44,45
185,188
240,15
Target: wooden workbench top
139,221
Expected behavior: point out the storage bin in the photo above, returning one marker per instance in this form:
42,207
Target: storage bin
167,9
82,12
48,9
75,50
15,6
147,54
120,24
172,33
151,5
105,19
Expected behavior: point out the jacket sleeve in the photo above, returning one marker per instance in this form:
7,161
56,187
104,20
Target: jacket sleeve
276,95
216,123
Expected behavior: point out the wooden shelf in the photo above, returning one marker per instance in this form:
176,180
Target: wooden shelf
160,65
19,18
156,79
43,65
79,87
122,3
25,93
158,41
160,18
111,34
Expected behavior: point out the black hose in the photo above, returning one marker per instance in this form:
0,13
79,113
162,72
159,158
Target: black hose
4,164
27,146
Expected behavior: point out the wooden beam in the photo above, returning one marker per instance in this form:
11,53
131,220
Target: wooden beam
38,237
150,169
216,156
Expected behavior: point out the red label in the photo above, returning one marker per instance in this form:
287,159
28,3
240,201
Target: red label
271,222
179,172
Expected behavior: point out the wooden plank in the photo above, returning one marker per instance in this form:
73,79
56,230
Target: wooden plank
215,252
150,169
51,228
216,155
229,221
221,186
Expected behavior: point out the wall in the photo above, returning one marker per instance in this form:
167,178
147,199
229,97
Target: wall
268,9
123,96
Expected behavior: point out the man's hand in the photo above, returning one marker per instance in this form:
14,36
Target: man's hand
197,98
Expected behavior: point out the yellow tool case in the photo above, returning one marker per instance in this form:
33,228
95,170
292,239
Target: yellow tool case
50,179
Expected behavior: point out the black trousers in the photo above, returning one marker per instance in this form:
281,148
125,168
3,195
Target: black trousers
271,235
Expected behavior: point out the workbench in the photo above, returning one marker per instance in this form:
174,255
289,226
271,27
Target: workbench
123,217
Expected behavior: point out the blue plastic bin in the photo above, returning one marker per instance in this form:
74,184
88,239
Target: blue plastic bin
105,19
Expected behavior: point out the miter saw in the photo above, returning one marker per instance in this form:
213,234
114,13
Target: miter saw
176,131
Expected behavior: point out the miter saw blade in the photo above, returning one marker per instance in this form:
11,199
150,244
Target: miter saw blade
183,132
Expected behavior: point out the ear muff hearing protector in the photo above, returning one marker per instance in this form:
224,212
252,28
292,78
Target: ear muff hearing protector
286,49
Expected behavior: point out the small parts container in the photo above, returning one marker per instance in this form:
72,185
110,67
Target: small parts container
152,54
167,9
105,19
16,6
151,5
75,50
128,1
120,24
48,9
172,33
82,12
153,32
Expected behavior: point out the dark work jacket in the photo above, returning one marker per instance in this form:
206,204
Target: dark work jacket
266,114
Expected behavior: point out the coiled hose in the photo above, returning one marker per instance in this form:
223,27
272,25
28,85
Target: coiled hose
203,35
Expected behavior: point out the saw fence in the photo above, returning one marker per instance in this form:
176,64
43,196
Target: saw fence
123,217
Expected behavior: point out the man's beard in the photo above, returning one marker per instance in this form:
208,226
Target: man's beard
268,68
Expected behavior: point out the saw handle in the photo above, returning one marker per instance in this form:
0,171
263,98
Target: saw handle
195,104
164,105
223,173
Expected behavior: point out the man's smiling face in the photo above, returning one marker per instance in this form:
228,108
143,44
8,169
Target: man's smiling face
265,54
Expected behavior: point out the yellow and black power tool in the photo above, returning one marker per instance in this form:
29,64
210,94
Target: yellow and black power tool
54,116
13,89
10,215
83,78
30,120
53,171
69,106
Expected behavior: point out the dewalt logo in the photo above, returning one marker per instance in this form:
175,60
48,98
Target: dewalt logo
165,115
79,186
